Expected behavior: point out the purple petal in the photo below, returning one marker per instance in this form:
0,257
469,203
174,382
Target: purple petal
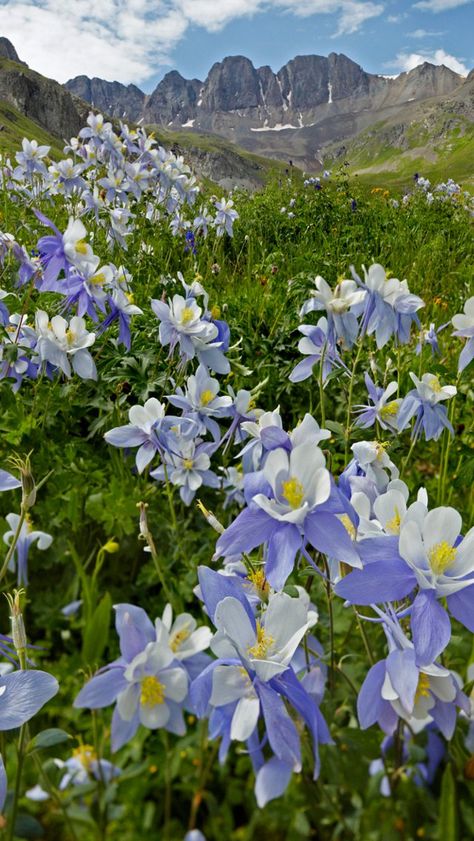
101,690
430,627
327,534
134,628
250,529
378,582
370,702
272,780
22,694
282,548
461,605
403,675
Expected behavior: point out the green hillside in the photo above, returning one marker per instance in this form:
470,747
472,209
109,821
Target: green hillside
14,126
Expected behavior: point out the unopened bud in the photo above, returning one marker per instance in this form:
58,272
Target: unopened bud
27,481
18,625
143,521
211,519
111,546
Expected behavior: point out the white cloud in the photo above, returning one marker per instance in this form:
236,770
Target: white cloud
130,40
408,61
441,5
423,33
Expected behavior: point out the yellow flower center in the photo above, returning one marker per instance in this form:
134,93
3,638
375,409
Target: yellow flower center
348,525
393,525
257,578
380,447
264,642
70,336
423,688
179,637
215,312
188,463
206,397
389,409
293,492
435,384
187,315
81,246
98,279
153,692
441,557
86,755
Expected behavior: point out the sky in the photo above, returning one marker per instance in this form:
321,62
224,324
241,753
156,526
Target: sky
138,41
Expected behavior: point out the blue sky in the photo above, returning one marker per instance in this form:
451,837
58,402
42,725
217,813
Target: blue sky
140,40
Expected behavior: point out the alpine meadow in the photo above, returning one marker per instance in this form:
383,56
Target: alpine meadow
236,465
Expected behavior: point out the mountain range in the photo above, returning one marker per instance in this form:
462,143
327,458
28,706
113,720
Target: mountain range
314,110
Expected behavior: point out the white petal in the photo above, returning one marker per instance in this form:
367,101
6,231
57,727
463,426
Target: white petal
244,719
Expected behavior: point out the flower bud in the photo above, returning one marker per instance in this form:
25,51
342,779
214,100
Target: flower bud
18,625
211,519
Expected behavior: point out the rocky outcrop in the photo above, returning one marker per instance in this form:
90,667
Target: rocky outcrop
7,50
174,100
113,98
42,100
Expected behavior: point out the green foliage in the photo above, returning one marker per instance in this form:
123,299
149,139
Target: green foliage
89,505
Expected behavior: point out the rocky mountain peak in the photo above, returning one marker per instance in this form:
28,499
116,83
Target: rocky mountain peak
7,50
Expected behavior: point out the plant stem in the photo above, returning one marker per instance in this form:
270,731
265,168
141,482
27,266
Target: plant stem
349,402
15,540
365,639
331,625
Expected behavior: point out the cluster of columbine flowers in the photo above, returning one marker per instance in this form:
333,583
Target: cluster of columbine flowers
382,306
115,178
65,263
359,531
445,191
404,557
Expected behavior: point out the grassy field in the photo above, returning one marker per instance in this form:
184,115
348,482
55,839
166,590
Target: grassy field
257,281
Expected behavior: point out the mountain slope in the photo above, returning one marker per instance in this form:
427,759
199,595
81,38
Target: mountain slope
42,100
293,114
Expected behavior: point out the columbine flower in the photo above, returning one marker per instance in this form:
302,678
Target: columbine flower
383,410
187,464
225,217
389,309
430,337
315,345
342,323
8,482
58,340
22,694
252,680
423,403
26,538
84,764
147,683
200,402
61,252
181,323
143,431
289,511
400,687
464,328
429,555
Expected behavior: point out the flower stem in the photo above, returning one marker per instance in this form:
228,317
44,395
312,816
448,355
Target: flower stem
349,401
15,540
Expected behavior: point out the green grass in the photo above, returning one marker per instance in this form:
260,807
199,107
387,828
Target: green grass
15,126
266,271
